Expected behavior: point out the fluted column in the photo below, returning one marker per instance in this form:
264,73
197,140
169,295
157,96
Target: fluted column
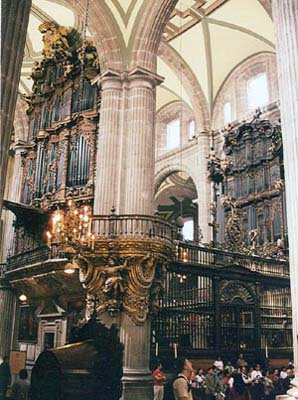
7,307
137,381
108,163
139,167
14,22
204,195
285,17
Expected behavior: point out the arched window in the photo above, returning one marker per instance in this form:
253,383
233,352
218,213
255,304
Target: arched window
173,135
257,91
188,229
78,163
191,129
227,112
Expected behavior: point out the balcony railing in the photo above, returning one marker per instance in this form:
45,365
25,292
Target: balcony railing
133,227
33,256
145,227
199,255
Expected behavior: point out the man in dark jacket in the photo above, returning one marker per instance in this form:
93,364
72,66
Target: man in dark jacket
5,377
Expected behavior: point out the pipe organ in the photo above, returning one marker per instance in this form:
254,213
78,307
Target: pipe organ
63,117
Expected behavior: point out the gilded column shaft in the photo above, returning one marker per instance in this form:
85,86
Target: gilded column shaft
285,17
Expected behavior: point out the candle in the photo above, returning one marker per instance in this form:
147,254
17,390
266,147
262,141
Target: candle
175,350
92,242
156,349
266,351
49,237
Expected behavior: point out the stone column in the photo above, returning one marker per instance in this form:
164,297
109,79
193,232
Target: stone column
15,188
108,162
14,22
7,306
139,155
285,17
203,183
137,381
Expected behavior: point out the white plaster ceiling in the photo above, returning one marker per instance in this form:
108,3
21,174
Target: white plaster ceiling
211,36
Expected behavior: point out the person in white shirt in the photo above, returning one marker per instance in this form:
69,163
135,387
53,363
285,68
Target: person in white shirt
218,363
256,374
283,373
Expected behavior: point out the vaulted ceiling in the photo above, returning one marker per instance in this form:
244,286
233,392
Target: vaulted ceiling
206,39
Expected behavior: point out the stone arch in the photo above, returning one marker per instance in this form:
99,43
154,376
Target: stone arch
106,34
161,175
267,6
233,85
236,292
199,102
145,40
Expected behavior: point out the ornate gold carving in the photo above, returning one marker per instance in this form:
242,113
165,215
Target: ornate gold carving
55,40
122,281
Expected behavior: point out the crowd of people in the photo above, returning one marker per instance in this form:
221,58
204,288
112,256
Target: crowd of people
222,381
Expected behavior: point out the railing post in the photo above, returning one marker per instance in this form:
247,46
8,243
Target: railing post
258,319
112,222
216,305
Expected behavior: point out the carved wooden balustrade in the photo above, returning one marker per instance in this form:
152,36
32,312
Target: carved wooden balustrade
36,255
145,227
133,226
200,255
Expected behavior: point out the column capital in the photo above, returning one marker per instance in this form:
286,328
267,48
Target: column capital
114,79
19,146
140,74
109,79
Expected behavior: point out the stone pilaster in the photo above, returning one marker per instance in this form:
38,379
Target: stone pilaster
7,307
14,22
108,163
285,17
139,167
205,195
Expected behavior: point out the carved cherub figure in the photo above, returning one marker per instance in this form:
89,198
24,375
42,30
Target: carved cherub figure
253,236
114,282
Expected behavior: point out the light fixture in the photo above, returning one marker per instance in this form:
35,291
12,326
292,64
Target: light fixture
23,297
181,278
72,225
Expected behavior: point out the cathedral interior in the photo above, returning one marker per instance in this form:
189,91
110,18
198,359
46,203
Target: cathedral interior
149,160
